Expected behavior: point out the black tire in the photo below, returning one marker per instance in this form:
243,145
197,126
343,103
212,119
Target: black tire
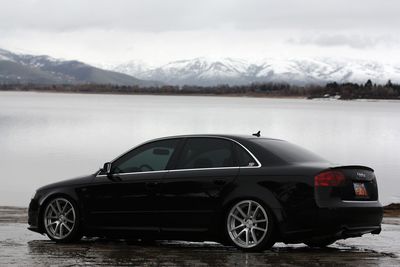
56,218
263,240
320,243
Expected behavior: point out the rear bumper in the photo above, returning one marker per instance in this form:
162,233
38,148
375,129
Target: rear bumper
358,216
348,220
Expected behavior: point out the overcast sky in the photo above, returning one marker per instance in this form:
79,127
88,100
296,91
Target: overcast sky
114,31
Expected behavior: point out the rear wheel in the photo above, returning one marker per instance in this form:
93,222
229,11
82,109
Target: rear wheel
250,226
61,220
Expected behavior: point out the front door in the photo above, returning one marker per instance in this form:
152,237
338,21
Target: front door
129,198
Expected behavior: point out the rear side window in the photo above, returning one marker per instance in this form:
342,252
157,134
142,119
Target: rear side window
288,152
206,153
244,158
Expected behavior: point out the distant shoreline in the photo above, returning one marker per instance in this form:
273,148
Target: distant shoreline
191,93
333,90
392,210
255,95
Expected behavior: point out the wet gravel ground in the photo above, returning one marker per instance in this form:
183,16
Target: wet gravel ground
20,247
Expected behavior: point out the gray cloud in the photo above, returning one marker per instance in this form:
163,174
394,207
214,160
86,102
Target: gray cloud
351,40
163,30
176,15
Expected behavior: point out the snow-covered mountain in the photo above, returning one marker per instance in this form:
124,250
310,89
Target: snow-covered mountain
133,66
300,71
20,68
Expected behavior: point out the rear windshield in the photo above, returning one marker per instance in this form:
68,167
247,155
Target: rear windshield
288,152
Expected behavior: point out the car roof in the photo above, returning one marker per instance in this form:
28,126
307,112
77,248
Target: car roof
243,140
248,142
228,136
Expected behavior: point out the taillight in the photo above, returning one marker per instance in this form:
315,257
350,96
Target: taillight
329,178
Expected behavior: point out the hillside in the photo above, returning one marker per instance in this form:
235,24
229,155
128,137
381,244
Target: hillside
23,69
294,71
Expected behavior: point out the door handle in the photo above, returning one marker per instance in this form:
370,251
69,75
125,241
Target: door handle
219,181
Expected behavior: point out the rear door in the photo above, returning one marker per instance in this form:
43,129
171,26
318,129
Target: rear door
191,191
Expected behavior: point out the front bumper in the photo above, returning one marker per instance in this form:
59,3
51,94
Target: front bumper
33,216
35,229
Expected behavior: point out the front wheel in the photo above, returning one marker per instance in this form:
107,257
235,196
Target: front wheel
61,220
250,226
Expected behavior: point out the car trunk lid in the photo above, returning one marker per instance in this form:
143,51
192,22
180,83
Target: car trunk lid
347,183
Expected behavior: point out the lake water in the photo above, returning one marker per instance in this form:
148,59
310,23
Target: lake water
47,137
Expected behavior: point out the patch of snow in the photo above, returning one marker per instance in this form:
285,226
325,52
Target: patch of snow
386,242
5,58
292,70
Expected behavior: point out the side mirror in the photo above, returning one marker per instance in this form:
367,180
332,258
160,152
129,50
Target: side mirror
107,168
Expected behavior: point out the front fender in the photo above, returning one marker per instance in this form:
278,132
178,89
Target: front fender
47,195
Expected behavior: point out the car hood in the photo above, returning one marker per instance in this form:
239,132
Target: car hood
70,182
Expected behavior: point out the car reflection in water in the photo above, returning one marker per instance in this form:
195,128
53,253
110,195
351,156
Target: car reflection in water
166,253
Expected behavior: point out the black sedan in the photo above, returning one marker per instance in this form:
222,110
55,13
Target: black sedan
242,190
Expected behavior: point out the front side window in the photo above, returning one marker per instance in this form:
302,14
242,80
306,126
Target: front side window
149,157
206,153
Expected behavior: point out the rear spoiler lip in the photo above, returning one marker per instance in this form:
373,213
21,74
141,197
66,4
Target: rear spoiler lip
352,167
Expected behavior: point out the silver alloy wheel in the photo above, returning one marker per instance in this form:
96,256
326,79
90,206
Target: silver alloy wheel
247,224
59,218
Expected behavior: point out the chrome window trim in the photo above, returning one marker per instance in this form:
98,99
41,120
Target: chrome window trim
196,169
178,170
130,173
205,169
174,170
360,201
251,154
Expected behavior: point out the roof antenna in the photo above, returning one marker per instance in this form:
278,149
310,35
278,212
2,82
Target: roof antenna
258,134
